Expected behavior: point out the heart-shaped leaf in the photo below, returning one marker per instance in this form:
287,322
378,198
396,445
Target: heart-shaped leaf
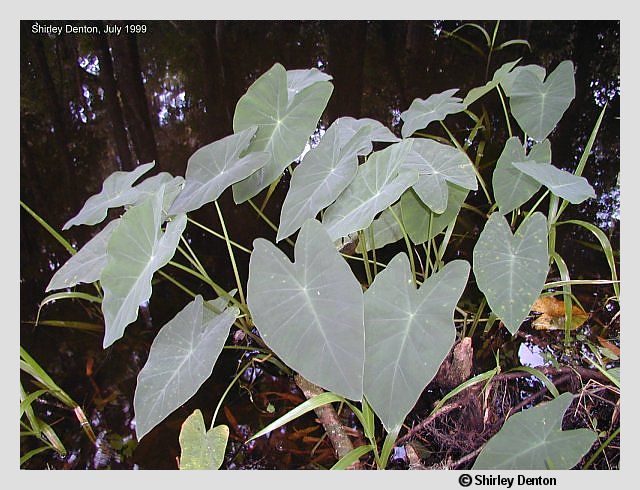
216,166
151,185
137,248
285,120
349,126
511,187
499,76
566,185
534,440
325,171
423,112
408,334
416,216
201,449
116,191
438,164
378,183
85,266
310,313
181,358
509,78
384,230
511,269
538,106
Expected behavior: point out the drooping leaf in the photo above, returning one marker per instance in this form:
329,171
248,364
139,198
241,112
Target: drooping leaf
85,266
349,126
181,358
438,164
216,166
566,185
378,183
511,269
511,187
310,312
408,334
325,171
509,78
298,80
534,440
538,106
423,112
499,75
416,215
201,449
172,187
386,229
285,121
116,191
137,248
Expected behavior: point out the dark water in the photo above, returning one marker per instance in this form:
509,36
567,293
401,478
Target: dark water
178,85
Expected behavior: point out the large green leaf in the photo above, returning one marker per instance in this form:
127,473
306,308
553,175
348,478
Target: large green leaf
181,358
298,80
566,185
137,248
216,166
534,440
438,164
537,105
509,78
286,117
408,334
85,266
416,215
349,126
149,186
116,191
511,269
500,74
310,313
201,449
423,112
378,183
511,187
386,229
325,171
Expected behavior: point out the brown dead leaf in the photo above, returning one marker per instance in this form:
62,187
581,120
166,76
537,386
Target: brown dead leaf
552,317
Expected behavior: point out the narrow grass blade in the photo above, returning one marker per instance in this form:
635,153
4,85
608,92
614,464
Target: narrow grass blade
26,457
486,376
351,457
29,399
541,376
48,227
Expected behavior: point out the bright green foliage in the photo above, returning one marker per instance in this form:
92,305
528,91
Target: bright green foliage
409,332
137,248
181,358
509,78
416,216
310,312
85,266
438,164
215,167
511,187
538,105
511,269
286,107
116,191
534,440
423,112
573,188
378,183
498,77
201,449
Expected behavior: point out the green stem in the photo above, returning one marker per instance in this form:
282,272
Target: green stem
218,235
231,255
267,220
506,113
409,249
365,256
600,449
48,227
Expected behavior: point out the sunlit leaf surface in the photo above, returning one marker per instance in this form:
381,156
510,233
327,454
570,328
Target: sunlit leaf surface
216,166
85,266
537,105
386,229
511,269
286,115
423,112
566,185
511,187
534,440
509,78
310,312
137,248
378,183
116,191
181,358
201,449
409,333
500,75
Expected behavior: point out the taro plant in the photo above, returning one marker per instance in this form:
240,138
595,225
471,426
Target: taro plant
376,345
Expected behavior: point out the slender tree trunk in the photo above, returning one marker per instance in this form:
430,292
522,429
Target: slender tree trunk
136,107
107,78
